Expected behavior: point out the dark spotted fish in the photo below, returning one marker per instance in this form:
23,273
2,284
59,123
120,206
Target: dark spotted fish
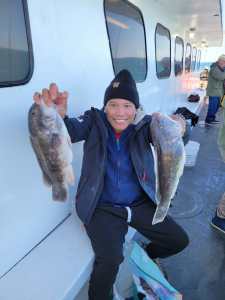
52,146
169,161
221,138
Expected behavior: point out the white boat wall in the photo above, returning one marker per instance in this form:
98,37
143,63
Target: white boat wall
80,45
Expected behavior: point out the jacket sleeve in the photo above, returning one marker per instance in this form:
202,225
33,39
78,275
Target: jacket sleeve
79,128
216,73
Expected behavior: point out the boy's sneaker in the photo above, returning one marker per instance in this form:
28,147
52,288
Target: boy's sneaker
218,223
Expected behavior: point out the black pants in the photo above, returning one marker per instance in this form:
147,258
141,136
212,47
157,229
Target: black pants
107,231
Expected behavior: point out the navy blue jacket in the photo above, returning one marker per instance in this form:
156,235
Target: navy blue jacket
91,128
121,185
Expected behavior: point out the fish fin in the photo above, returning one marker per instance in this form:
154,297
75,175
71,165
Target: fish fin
59,192
41,161
160,213
47,181
69,141
156,170
69,175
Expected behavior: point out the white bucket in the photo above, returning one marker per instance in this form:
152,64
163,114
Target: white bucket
191,150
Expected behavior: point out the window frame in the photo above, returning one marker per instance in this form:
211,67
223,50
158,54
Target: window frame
182,61
145,43
30,51
199,56
187,70
192,57
162,77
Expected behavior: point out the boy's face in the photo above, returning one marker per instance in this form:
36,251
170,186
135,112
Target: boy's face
120,113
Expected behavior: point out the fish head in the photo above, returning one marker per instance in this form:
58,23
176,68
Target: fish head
165,127
48,111
34,118
41,117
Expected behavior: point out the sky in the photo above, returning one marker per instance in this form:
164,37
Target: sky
211,54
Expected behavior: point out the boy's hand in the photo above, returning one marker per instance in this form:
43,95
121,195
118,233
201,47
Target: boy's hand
53,96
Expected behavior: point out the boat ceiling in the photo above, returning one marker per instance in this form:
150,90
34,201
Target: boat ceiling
202,17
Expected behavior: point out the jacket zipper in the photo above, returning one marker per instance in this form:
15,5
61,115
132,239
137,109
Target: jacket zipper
118,164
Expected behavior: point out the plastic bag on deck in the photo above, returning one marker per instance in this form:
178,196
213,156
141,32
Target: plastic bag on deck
149,279
193,98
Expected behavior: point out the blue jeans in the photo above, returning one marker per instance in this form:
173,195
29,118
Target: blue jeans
214,104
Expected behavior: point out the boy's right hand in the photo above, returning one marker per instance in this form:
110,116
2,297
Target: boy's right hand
53,96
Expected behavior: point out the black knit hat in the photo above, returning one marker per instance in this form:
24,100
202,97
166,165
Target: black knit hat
122,86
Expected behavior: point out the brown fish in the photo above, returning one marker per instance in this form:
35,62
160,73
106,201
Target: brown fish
52,146
169,161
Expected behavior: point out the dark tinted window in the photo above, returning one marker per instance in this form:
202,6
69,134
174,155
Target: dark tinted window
15,53
162,51
127,38
188,58
194,57
179,56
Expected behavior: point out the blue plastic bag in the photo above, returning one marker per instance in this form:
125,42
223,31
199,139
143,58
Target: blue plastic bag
148,277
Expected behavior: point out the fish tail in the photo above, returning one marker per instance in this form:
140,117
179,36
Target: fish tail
59,192
160,214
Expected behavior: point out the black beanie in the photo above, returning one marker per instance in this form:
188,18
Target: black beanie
122,86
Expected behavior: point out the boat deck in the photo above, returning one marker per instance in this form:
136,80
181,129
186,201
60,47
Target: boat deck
199,271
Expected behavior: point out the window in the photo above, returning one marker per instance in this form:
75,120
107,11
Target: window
188,58
179,56
126,37
16,63
199,59
194,57
162,51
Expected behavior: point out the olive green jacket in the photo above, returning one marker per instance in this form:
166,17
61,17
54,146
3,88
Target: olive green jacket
215,81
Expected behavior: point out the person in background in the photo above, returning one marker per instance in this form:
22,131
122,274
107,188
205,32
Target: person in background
204,75
117,184
215,89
